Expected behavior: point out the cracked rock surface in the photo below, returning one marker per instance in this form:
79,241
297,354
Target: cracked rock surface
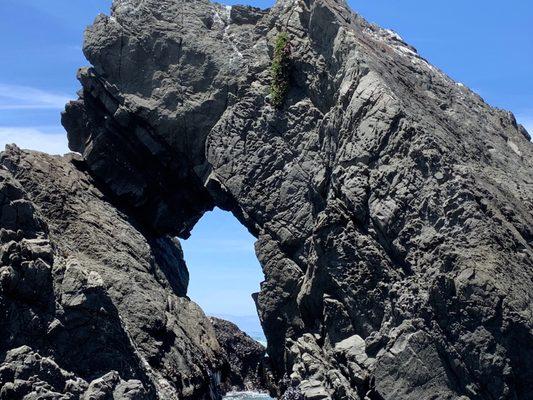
393,208
92,307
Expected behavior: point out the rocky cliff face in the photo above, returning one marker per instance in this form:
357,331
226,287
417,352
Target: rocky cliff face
393,208
92,306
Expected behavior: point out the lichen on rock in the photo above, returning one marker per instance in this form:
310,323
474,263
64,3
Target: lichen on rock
280,70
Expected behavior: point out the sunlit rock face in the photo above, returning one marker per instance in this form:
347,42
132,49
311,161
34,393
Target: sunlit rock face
393,208
164,73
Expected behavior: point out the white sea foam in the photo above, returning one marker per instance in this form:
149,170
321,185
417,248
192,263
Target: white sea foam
247,396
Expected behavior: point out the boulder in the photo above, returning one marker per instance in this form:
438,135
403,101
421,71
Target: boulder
247,363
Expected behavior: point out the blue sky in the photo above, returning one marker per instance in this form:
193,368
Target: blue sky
223,266
487,45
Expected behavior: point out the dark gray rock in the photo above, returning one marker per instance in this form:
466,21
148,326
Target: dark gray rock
25,374
292,394
393,208
247,365
91,293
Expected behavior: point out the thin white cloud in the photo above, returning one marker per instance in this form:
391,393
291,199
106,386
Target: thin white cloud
52,140
15,97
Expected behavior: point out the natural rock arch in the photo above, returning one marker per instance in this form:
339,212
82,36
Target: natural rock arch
393,207
343,187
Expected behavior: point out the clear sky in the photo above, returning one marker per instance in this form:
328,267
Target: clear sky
485,44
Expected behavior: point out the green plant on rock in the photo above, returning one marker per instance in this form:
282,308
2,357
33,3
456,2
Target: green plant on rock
280,70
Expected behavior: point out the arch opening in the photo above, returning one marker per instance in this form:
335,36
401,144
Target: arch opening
224,271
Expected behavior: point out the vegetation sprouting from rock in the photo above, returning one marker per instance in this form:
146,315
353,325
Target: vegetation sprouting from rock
280,70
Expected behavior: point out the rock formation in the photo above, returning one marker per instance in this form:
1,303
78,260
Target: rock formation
92,306
393,208
247,366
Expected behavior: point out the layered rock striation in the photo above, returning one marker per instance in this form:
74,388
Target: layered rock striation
393,208
92,306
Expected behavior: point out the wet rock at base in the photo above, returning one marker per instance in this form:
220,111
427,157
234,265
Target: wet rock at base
247,364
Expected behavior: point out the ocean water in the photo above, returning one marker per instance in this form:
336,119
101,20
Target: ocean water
247,396
261,339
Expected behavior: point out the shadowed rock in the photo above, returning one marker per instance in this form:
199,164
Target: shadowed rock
99,303
247,367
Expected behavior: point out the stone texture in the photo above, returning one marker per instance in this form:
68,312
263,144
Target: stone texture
99,302
248,368
393,207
